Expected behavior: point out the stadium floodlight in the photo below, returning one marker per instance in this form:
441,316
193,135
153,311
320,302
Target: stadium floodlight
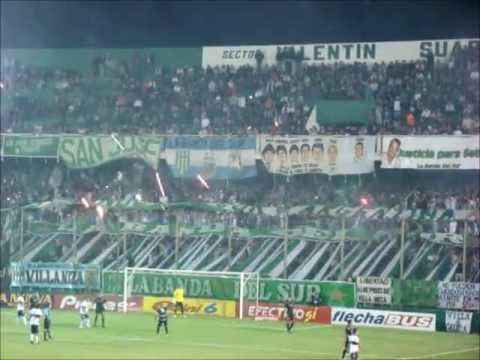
159,182
202,181
117,142
243,287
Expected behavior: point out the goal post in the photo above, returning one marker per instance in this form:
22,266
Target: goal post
241,287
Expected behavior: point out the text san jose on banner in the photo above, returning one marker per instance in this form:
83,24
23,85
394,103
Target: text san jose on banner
89,151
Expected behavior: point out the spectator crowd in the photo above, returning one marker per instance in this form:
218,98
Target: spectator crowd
140,96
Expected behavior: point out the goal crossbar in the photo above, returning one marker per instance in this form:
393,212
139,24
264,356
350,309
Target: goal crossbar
189,271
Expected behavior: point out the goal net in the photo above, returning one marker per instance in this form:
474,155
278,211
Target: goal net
230,294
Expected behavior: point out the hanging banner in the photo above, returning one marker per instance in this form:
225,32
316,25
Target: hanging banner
213,157
459,295
32,146
88,151
458,321
431,152
210,287
330,155
330,53
374,290
37,276
415,293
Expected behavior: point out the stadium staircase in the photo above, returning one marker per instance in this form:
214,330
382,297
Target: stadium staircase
328,264
277,270
268,248
141,259
356,260
195,264
348,257
419,256
370,259
307,265
378,260
195,253
238,256
273,258
83,251
216,265
35,247
81,241
387,271
451,273
99,260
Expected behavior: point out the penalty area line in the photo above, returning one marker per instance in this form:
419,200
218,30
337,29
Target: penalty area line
279,328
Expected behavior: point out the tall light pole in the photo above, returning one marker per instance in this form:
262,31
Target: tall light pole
403,230
285,242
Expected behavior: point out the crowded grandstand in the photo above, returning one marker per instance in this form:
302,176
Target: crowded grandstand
312,183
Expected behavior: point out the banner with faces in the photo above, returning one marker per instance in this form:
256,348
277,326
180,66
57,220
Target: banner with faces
329,155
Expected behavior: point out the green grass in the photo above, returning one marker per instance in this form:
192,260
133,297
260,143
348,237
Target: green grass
132,336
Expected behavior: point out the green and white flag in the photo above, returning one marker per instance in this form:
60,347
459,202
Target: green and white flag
88,151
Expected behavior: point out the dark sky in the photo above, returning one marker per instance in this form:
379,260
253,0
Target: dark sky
197,23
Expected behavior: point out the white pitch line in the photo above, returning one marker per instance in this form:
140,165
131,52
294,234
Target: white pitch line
280,328
439,354
313,327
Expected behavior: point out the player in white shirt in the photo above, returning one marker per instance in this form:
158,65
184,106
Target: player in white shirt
35,314
353,344
21,310
84,317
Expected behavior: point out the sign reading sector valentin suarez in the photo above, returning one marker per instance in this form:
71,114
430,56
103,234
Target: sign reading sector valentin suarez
431,152
330,53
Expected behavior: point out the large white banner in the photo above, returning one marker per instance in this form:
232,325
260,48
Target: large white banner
459,295
374,290
431,152
458,321
330,53
330,155
385,319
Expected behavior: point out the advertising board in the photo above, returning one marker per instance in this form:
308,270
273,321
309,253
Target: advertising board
384,319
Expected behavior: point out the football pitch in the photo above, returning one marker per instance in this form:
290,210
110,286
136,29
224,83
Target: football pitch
129,336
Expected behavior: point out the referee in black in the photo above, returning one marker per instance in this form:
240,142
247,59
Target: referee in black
162,319
99,310
289,316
